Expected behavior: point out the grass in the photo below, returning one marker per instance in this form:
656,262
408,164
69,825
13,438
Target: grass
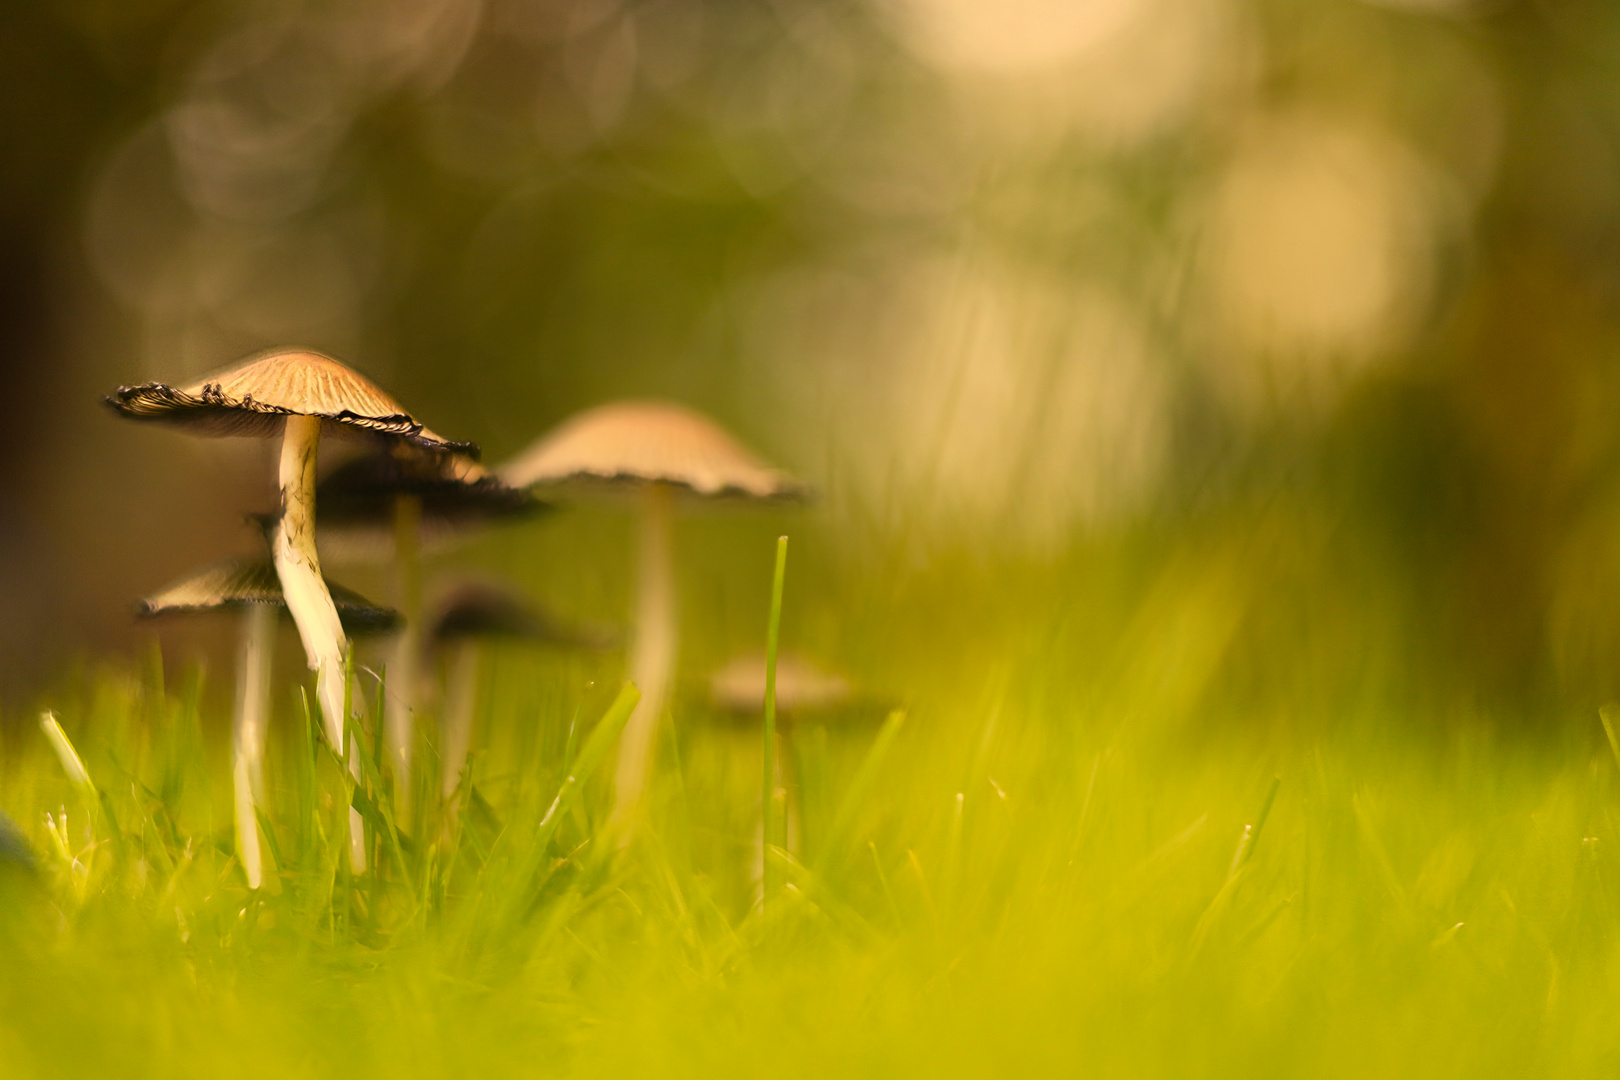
1036,864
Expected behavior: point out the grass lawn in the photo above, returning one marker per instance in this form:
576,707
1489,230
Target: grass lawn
1053,856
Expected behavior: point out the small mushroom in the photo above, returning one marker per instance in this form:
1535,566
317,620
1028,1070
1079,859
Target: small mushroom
802,687
470,613
390,504
296,395
663,451
252,588
739,686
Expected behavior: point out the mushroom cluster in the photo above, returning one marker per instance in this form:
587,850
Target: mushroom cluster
251,588
295,395
413,490
388,506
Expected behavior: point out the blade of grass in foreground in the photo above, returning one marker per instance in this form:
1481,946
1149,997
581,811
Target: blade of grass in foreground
96,800
854,798
591,755
72,764
1607,714
767,806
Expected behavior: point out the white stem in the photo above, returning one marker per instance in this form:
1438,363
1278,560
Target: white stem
299,568
399,707
461,701
248,735
652,658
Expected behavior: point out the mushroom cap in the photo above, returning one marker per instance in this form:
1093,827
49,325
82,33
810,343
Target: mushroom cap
257,395
454,489
739,686
236,583
648,441
481,608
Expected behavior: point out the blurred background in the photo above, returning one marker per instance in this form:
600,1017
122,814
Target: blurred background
1268,347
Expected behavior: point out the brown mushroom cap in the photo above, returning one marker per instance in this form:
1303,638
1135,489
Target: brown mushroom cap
237,583
454,490
255,397
740,685
648,441
481,608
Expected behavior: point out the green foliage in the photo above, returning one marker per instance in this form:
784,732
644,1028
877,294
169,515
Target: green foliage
977,890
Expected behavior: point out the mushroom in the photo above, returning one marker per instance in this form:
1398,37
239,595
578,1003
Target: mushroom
663,451
469,613
294,394
439,496
739,686
391,503
802,687
251,587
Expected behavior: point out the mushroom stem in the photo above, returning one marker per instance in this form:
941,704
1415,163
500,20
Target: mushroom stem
461,699
248,735
400,704
652,658
299,568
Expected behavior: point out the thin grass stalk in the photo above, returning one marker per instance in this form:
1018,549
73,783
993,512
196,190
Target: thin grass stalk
357,822
400,709
768,799
248,734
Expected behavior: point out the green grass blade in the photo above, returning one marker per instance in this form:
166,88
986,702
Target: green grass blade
596,748
861,786
768,788
1607,714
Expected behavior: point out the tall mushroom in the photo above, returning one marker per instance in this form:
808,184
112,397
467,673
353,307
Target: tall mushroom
296,395
396,502
663,451
251,587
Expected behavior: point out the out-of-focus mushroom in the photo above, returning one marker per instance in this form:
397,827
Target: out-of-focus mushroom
252,584
470,613
663,451
739,686
362,501
252,588
293,394
392,503
802,688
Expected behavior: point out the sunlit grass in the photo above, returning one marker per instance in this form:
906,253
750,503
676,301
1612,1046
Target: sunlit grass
1035,863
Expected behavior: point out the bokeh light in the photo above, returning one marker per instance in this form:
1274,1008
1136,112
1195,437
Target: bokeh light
1023,278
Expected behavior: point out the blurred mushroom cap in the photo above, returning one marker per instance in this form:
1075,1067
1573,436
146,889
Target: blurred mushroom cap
454,489
740,685
256,396
483,608
237,583
648,441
